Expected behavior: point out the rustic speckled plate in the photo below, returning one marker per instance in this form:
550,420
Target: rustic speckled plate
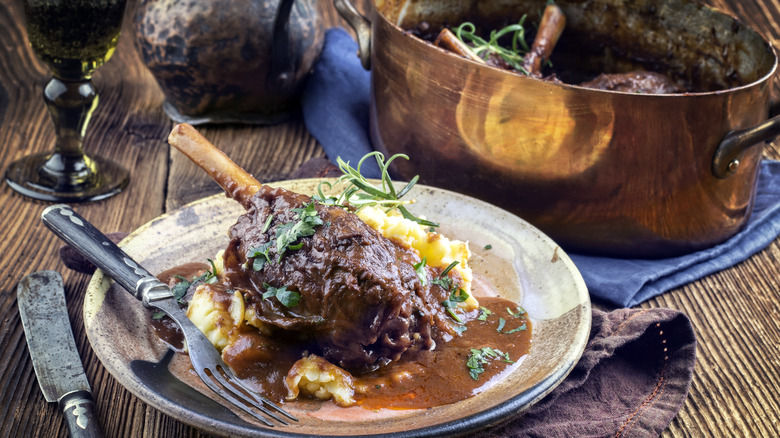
522,265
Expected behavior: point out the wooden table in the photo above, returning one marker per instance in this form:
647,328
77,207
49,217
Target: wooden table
736,313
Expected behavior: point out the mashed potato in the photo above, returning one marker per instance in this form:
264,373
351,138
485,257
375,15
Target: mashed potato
316,377
217,320
438,250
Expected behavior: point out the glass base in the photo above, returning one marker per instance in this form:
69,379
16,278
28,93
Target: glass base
27,177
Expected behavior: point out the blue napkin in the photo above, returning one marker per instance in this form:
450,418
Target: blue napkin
628,282
335,102
335,107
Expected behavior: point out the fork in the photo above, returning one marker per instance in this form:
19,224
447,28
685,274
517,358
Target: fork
206,360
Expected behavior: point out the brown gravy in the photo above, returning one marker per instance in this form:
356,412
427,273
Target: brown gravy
420,379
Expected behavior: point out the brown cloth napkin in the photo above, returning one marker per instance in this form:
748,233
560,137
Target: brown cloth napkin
631,380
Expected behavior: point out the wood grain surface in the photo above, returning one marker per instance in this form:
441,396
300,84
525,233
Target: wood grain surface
736,312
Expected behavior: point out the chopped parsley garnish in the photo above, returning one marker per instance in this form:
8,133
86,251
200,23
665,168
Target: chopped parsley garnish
488,246
457,295
517,313
209,277
443,280
480,357
291,232
179,290
459,328
267,223
521,328
288,235
260,256
484,312
419,268
288,298
451,303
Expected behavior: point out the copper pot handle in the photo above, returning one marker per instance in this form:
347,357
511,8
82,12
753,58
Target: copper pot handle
362,27
726,160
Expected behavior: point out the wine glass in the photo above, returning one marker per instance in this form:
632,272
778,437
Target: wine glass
74,38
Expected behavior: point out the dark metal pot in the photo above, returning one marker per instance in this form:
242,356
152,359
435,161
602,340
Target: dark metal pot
228,61
603,172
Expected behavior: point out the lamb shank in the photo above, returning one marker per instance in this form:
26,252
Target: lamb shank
361,300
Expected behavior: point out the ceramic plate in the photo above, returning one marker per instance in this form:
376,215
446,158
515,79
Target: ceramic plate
522,265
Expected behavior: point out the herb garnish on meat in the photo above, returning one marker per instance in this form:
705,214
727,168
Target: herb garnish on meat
288,298
513,56
286,235
361,193
419,268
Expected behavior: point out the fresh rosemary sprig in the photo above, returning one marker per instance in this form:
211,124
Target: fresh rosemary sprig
513,56
361,193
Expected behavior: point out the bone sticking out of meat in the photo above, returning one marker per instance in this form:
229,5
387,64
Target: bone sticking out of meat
550,30
448,40
235,181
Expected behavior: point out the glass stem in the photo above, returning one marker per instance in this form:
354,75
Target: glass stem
71,104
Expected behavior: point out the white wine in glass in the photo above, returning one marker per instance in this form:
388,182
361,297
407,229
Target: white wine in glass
74,38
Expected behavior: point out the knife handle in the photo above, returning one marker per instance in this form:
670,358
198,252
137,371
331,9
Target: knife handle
78,409
77,232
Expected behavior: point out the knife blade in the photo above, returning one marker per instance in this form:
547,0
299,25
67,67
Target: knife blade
58,367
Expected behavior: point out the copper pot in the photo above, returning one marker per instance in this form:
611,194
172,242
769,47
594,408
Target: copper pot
603,172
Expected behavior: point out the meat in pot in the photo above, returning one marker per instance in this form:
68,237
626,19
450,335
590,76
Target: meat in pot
522,59
634,82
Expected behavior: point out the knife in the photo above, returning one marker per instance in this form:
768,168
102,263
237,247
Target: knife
41,299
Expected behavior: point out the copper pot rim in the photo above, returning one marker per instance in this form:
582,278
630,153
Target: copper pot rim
574,87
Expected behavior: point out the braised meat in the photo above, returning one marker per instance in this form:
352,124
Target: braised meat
635,82
497,53
361,299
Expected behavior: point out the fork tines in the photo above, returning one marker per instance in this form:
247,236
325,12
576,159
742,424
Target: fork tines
234,391
212,370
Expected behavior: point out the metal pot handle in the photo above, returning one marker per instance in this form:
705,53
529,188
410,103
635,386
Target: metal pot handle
281,74
726,160
362,27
